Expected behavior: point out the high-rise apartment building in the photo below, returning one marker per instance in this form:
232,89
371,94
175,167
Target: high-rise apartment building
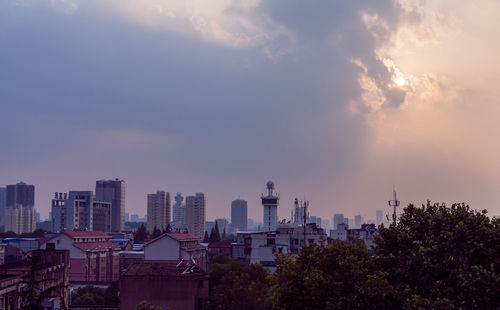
3,203
158,211
338,219
379,216
20,208
270,204
79,210
239,215
195,214
179,212
113,191
358,220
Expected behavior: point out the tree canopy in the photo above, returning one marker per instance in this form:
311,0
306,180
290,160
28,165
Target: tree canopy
442,257
435,257
236,285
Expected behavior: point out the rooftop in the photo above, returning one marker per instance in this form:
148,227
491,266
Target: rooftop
165,268
94,246
81,233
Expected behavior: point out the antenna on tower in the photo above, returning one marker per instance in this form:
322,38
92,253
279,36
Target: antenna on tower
394,203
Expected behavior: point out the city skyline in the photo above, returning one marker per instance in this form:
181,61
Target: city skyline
334,102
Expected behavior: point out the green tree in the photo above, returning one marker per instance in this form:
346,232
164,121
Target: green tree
145,305
111,295
205,238
237,285
140,234
88,296
214,234
442,258
340,276
156,233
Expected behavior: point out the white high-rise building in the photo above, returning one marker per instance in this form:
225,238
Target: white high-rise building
20,213
158,211
270,204
195,215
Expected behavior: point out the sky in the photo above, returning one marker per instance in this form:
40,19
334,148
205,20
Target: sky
335,101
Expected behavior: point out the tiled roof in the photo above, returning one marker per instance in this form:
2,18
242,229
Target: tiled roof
165,267
182,237
177,236
81,233
194,247
219,245
93,246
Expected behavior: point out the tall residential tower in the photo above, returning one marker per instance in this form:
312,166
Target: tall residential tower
158,211
195,215
113,191
20,208
239,215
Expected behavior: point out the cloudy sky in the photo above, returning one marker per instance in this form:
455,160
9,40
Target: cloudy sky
335,101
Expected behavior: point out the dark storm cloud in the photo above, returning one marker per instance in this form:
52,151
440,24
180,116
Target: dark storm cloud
233,111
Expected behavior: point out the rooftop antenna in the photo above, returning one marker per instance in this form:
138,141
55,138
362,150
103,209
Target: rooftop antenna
394,203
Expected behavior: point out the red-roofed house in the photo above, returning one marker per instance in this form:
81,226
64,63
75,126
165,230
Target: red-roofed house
175,247
93,258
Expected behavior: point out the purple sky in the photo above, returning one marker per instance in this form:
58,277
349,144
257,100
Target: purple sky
335,102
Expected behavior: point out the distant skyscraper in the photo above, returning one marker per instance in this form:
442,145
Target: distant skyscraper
325,223
20,208
179,212
338,219
315,219
239,215
195,214
270,204
127,217
3,203
113,191
379,216
158,211
358,220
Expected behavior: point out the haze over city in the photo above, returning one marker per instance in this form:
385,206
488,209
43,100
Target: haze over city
335,102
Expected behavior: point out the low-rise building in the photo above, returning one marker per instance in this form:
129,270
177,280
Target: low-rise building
175,247
218,248
94,259
261,247
41,280
172,285
366,233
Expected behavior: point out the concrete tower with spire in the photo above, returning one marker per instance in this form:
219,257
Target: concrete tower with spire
270,204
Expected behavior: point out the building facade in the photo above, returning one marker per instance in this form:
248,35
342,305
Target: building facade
158,211
270,204
195,214
93,258
79,210
113,191
20,213
170,285
239,215
46,274
3,204
179,212
176,247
